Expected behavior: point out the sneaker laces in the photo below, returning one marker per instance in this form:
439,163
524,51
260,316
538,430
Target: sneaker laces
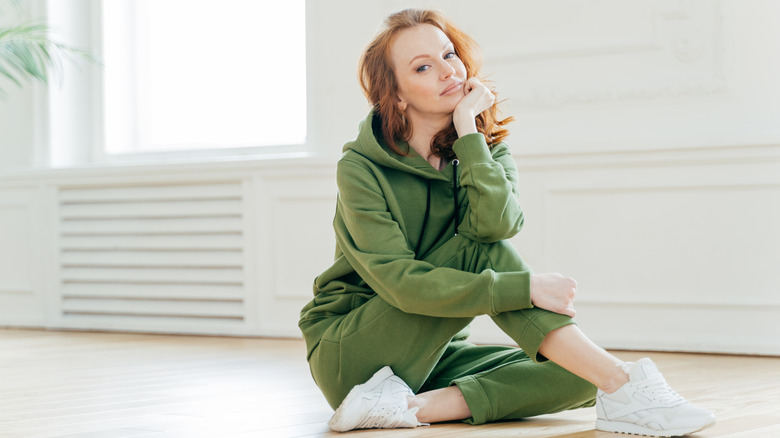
660,391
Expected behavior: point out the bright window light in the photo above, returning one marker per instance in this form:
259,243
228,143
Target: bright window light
203,74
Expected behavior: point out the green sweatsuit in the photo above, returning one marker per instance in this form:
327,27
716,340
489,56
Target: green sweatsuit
419,254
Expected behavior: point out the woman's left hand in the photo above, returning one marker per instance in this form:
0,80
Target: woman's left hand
478,98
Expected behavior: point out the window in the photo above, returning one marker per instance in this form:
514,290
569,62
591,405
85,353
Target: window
199,74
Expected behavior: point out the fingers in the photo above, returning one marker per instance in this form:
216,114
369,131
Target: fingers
566,289
564,309
472,83
569,310
479,96
567,283
554,292
572,284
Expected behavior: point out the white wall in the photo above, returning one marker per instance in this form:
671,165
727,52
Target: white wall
17,118
647,138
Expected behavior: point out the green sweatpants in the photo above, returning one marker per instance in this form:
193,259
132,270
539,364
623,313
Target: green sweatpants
497,382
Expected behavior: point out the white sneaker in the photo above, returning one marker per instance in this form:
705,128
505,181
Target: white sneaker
380,403
646,405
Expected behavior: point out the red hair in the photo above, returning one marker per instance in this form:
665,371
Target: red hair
379,84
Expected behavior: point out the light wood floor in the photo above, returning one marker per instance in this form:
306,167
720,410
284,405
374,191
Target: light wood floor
98,385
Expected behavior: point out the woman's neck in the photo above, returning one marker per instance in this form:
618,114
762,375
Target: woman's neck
423,131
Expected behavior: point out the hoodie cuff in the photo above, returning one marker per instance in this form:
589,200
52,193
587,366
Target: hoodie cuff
472,149
511,291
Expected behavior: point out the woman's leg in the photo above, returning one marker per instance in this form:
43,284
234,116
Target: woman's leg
520,389
634,397
489,383
493,382
530,328
567,346
571,349
543,334
443,404
376,335
371,360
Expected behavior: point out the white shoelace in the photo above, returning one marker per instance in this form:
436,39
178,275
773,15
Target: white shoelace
660,391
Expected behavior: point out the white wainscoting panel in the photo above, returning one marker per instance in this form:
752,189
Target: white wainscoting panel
298,243
21,297
674,245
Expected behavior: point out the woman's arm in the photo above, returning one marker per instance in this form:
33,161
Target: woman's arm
374,244
490,179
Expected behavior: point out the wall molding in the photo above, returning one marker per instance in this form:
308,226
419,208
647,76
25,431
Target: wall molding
718,305
280,205
662,17
665,188
21,200
666,157
660,327
677,35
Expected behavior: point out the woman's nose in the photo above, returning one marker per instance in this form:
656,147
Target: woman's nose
446,70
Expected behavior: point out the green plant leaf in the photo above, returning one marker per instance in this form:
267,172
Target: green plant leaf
27,53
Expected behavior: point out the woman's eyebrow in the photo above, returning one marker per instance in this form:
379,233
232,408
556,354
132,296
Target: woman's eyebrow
428,56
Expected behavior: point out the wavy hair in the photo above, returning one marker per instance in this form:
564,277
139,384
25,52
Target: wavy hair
379,84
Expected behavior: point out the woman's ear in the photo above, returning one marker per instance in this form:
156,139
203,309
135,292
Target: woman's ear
401,105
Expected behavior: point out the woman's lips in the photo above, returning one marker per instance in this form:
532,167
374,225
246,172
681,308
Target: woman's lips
451,89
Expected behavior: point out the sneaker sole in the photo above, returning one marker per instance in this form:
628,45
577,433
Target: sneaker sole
341,424
634,429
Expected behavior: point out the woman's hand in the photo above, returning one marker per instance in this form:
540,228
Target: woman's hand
553,292
478,98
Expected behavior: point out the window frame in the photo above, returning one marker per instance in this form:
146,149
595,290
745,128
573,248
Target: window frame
74,112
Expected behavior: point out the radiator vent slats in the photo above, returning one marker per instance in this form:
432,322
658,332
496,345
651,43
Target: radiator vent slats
163,254
160,242
137,259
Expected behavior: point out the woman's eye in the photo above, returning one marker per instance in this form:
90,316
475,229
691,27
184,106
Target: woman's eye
450,55
422,68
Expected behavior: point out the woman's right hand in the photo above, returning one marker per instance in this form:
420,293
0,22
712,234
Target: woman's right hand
553,292
477,99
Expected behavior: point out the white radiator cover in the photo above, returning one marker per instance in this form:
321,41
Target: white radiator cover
203,248
151,254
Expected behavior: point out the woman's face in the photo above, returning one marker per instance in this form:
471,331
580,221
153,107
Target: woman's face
431,78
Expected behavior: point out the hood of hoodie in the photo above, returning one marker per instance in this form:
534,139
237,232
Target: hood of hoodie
370,144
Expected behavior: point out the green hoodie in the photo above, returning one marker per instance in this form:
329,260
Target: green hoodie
393,211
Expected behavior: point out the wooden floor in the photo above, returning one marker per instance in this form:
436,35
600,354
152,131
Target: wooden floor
98,385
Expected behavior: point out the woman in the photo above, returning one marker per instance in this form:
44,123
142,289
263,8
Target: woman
427,197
